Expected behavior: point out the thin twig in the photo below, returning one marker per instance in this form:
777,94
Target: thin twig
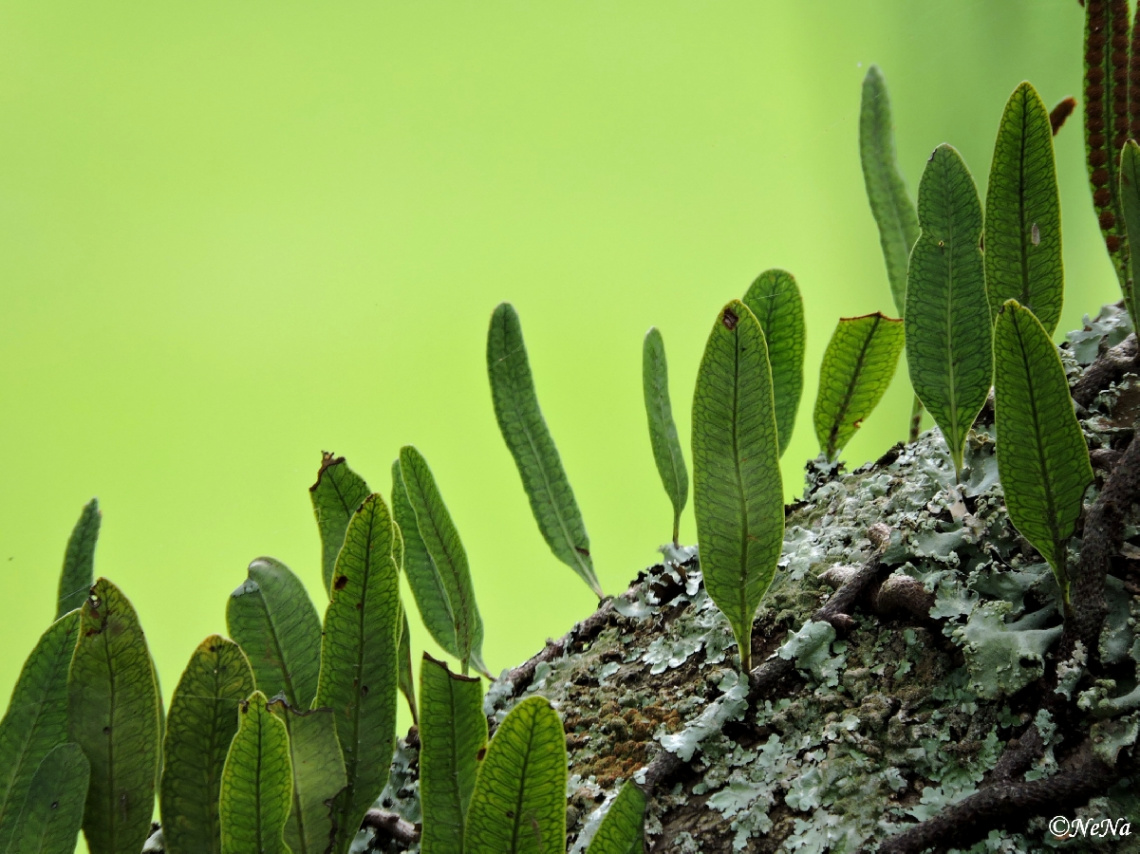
398,830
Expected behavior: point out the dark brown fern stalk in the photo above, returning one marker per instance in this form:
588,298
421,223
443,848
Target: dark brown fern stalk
1107,117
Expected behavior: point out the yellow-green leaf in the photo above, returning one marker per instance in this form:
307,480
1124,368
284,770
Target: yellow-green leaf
113,714
360,661
519,802
79,560
336,495
1023,213
202,723
36,720
949,346
775,300
257,783
737,493
662,429
1043,460
53,810
858,364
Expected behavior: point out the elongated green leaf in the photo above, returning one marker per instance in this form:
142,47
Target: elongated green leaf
737,493
336,495
530,443
1130,201
622,830
892,208
113,714
407,676
203,720
775,300
1023,213
36,720
662,429
79,560
360,661
1042,457
318,775
446,552
453,730
858,364
53,811
423,576
519,802
257,783
274,620
949,347
1106,106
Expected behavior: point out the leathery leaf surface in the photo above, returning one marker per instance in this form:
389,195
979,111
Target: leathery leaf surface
360,660
453,730
78,571
336,495
775,300
530,443
1042,456
113,714
737,493
622,831
662,428
202,722
257,783
519,802
949,333
36,720
53,811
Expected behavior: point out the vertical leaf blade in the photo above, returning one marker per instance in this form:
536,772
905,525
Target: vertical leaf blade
1130,202
453,730
530,443
360,662
1023,213
949,346
257,783
662,428
113,714
78,572
441,540
775,300
857,368
519,802
203,721
622,831
892,208
36,720
1043,460
336,495
273,619
318,776
737,493
53,810
423,577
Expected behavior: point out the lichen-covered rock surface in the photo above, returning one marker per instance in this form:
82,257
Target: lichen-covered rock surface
907,712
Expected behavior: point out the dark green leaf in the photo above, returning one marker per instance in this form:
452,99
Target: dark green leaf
79,560
53,811
36,720
949,346
892,208
257,783
775,300
453,730
360,660
857,368
407,676
1042,457
113,714
336,495
1023,213
622,830
737,493
1130,201
273,619
530,443
662,429
519,802
445,553
203,720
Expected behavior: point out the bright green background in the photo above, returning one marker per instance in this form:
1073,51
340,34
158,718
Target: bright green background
235,234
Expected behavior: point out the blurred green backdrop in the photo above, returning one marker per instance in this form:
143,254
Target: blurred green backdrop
233,235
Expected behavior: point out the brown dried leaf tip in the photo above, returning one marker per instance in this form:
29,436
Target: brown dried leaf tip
328,460
729,319
1060,113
